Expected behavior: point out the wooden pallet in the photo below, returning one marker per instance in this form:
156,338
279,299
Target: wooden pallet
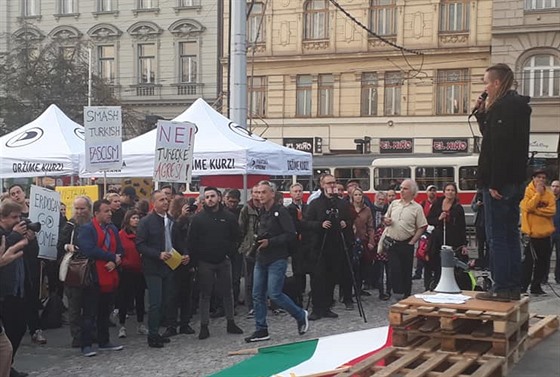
393,362
540,327
502,326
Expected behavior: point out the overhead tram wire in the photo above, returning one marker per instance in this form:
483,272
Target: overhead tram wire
384,40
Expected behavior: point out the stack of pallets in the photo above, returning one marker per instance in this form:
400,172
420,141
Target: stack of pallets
478,339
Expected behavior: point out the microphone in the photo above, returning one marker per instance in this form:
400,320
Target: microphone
480,98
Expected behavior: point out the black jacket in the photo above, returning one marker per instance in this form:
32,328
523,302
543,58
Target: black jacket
278,228
8,272
213,235
455,227
505,143
317,212
150,242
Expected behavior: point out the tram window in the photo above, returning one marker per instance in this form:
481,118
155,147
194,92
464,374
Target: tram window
304,181
438,177
282,182
359,174
316,174
194,186
467,178
390,178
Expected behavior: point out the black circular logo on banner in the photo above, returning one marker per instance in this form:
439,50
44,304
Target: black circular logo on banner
80,133
244,132
25,138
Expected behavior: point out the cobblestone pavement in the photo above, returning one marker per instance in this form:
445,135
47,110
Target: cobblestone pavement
186,355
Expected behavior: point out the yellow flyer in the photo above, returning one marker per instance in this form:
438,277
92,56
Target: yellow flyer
175,259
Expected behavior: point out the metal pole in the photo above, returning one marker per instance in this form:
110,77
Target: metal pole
89,77
238,71
104,183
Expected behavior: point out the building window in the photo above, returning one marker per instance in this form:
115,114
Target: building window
188,55
257,95
255,26
316,19
383,17
326,91
452,90
104,5
541,4
67,7
188,3
303,95
146,4
393,85
106,63
30,8
454,16
147,63
369,94
541,76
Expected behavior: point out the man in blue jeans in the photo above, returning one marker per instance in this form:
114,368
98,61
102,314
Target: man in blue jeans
275,235
504,119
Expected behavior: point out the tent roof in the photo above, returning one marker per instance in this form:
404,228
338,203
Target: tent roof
50,145
217,138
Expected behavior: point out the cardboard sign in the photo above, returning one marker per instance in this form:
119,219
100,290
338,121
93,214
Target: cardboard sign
103,138
69,193
174,151
44,208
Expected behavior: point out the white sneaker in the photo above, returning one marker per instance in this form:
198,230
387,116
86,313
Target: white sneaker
122,332
38,337
141,329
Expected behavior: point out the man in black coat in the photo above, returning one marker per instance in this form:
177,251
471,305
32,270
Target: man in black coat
300,252
330,221
155,245
213,236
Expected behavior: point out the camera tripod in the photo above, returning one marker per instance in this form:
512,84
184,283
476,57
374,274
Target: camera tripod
350,269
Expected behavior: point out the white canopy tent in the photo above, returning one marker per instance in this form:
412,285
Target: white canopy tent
50,145
221,148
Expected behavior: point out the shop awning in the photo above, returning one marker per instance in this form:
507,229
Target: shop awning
545,145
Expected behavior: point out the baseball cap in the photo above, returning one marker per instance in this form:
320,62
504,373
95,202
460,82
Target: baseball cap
430,187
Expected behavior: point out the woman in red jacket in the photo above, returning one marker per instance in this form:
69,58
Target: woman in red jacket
132,278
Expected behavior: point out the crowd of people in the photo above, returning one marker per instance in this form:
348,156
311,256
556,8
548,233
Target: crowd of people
192,254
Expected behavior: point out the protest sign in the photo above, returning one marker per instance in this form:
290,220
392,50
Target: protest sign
103,138
69,193
174,151
44,208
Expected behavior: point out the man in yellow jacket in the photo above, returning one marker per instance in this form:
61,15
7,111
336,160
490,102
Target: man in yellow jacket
537,210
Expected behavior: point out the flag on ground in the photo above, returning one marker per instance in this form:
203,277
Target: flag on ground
311,356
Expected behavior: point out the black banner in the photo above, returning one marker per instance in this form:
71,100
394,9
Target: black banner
396,145
299,143
450,145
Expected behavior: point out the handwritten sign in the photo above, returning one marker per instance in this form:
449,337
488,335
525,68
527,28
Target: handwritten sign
103,138
44,208
69,193
174,151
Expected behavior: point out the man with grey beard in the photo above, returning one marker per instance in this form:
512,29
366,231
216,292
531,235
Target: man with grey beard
67,244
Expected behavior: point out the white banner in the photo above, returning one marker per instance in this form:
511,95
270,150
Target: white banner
44,208
103,138
174,151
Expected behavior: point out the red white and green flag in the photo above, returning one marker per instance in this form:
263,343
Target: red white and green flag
312,356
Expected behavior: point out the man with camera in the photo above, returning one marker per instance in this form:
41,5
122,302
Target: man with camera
328,219
275,232
13,278
32,266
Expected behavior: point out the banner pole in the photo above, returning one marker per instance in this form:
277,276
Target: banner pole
104,183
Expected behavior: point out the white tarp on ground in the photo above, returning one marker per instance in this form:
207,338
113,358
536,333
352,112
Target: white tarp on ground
50,145
221,148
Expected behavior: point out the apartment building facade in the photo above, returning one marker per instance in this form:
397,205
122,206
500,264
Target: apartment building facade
158,55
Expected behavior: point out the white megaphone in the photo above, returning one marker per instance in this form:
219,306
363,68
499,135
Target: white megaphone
447,282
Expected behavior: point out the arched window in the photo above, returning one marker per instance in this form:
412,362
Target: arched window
383,17
541,76
316,19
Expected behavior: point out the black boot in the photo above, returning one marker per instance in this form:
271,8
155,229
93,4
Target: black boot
232,328
204,333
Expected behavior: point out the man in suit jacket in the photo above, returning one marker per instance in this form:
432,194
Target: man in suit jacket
154,243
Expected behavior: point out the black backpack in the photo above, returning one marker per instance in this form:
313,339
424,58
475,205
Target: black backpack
51,317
